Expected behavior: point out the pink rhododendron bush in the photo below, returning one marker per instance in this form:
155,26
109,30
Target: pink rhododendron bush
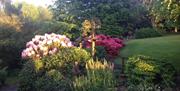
111,45
53,64
43,45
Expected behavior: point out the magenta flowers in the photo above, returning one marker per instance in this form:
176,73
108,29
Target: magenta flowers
42,45
111,45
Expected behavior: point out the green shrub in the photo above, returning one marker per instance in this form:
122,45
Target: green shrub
111,30
53,80
70,30
6,33
10,54
65,59
147,33
100,52
27,77
9,47
3,75
33,79
145,73
52,73
99,77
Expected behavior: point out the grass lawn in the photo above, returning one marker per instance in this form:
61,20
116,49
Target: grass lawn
167,47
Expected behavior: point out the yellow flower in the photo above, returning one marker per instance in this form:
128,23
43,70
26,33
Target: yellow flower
145,66
97,65
87,25
38,65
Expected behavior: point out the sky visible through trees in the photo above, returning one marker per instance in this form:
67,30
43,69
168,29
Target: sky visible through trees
44,3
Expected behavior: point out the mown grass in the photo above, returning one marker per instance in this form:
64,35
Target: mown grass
167,47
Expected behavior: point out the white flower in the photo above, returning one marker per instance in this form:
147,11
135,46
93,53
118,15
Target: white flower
63,44
29,54
39,46
50,52
29,44
35,47
38,37
69,44
56,40
45,53
33,40
45,48
49,42
32,52
53,34
37,55
42,42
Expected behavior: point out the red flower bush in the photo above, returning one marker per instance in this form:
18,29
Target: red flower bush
111,45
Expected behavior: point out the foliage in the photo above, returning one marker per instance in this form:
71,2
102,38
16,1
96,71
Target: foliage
56,81
48,44
10,52
147,33
37,81
3,74
111,45
100,52
146,72
10,22
115,15
86,26
99,78
112,30
27,77
45,14
68,29
165,14
6,33
58,69
156,48
16,30
10,48
66,59
29,12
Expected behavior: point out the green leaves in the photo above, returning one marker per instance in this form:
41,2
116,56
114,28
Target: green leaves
54,72
99,77
147,33
145,72
166,12
115,15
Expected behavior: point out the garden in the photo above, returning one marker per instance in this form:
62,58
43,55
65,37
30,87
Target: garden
90,45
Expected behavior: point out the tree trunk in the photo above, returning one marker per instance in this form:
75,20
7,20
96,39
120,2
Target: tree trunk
176,29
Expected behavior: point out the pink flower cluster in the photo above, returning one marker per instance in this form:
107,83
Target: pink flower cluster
48,44
111,45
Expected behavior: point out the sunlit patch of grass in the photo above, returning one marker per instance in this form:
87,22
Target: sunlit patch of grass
167,47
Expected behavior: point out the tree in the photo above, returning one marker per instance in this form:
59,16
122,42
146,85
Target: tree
166,14
12,21
44,14
115,15
29,12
